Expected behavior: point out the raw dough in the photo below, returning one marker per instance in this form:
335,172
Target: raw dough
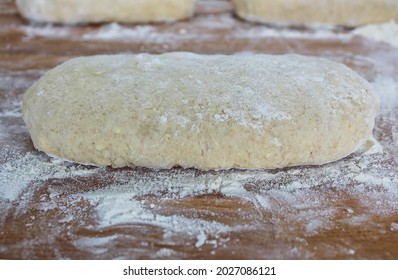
202,111
340,12
83,11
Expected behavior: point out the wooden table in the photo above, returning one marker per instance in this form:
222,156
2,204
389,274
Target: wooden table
52,209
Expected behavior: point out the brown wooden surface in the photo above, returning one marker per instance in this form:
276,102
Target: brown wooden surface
331,214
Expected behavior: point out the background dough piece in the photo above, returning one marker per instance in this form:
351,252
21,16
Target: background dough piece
339,12
83,11
202,111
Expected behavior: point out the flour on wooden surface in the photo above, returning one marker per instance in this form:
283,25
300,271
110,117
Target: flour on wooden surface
48,30
115,31
387,32
180,32
20,172
305,198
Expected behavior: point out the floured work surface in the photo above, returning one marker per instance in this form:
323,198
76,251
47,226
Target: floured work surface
59,210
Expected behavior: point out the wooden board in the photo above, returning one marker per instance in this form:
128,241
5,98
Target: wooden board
51,209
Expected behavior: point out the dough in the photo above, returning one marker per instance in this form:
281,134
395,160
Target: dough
202,111
83,11
340,12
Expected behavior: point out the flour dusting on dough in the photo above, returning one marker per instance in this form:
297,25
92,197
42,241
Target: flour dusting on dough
202,111
301,199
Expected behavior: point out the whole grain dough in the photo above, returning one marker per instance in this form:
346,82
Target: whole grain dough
338,12
201,111
78,11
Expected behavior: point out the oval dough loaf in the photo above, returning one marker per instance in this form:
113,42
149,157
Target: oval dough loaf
340,12
84,11
202,111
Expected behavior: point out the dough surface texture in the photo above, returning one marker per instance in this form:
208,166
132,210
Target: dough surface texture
201,111
84,11
338,12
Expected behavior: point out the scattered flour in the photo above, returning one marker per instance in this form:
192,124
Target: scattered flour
212,24
387,89
115,31
387,32
164,253
298,199
304,200
48,30
96,245
261,31
11,108
22,171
